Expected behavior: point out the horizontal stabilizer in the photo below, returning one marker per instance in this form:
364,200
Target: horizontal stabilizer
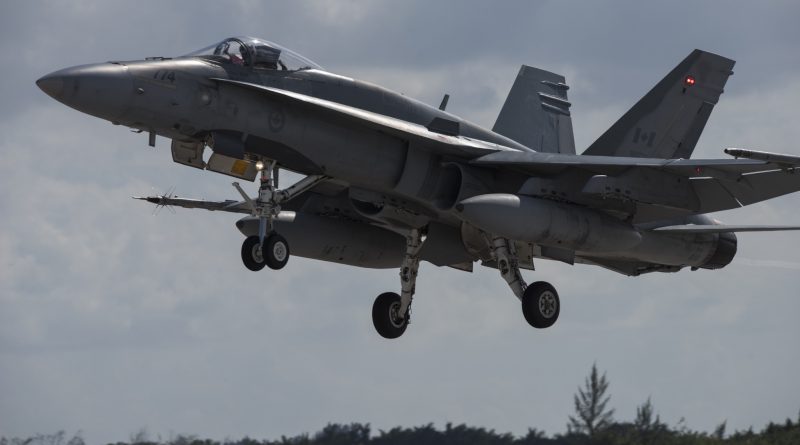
721,228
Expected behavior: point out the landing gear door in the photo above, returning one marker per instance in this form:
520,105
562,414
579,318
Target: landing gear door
238,168
188,153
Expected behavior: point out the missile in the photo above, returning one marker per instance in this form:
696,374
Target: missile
547,223
763,156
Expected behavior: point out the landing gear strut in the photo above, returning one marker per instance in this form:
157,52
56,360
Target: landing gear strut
540,303
391,312
269,248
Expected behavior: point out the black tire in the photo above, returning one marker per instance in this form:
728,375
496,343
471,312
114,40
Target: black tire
251,254
385,316
541,305
275,251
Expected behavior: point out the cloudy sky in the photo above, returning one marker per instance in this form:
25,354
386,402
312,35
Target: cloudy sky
113,320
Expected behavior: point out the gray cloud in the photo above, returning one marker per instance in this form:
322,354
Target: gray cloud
112,319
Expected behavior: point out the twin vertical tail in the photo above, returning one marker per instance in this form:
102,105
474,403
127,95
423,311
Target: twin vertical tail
536,112
667,122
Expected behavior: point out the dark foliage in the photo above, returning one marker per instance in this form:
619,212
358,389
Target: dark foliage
619,433
593,424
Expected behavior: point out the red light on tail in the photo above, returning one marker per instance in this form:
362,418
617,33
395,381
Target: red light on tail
689,81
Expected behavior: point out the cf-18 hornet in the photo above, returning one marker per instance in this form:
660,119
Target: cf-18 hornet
388,181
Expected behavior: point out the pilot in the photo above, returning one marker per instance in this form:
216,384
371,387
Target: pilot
234,51
245,55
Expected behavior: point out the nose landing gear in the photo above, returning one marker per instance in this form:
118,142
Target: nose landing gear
269,248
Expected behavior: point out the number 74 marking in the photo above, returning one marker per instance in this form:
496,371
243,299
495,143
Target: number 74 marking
165,76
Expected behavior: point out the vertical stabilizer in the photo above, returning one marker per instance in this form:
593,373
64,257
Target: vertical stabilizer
536,112
666,123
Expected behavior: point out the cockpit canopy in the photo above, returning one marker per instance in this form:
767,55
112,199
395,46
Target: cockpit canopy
255,53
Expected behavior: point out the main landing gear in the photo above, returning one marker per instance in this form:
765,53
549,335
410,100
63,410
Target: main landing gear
540,303
269,248
391,312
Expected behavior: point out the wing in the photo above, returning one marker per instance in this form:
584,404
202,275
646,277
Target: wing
438,133
721,228
554,163
667,187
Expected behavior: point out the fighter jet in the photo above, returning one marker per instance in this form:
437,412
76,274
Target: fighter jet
388,181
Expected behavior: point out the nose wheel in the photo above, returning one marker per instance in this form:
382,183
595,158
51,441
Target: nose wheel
269,248
251,254
275,250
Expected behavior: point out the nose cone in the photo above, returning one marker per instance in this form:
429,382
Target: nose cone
104,90
52,85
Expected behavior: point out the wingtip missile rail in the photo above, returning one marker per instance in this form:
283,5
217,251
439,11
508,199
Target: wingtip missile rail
776,158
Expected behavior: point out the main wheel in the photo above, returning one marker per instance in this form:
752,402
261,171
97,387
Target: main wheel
251,254
386,316
540,305
275,251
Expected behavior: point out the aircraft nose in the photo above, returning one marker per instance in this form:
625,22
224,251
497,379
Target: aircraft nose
104,90
51,84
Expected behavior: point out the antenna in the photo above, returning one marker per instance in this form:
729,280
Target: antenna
445,99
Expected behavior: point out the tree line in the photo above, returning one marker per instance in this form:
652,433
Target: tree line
593,422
